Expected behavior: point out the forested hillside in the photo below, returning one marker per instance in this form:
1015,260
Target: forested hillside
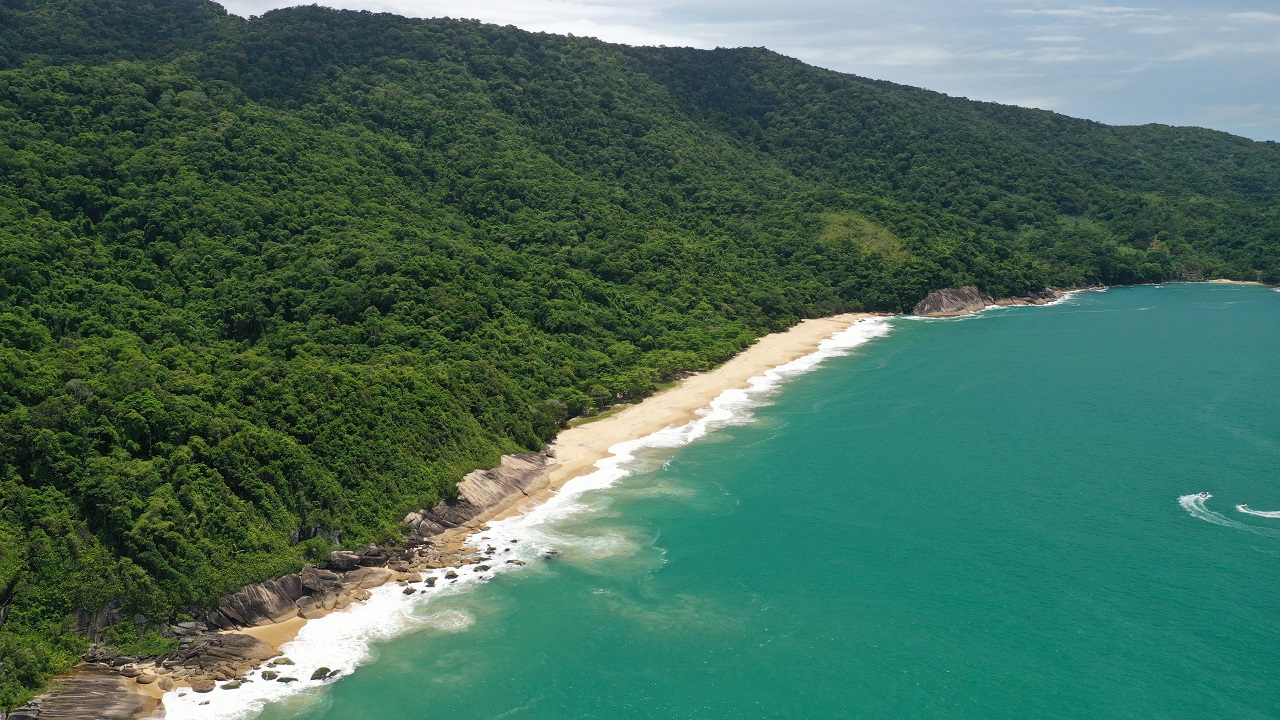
271,283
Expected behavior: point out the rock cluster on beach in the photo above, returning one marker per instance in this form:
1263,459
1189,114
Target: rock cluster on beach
208,655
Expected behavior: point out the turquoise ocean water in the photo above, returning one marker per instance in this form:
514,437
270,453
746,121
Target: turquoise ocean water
976,518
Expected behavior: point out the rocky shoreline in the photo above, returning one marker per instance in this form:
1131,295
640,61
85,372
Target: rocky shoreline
213,654
955,302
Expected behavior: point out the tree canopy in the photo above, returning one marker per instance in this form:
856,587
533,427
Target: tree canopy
269,284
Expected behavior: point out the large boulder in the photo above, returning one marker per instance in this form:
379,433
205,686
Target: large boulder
317,581
344,560
203,684
222,654
368,577
374,556
483,490
951,302
260,604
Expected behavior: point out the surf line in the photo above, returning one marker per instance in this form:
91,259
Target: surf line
341,642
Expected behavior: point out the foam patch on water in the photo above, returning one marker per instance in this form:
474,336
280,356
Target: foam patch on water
452,620
1196,506
341,641
1260,513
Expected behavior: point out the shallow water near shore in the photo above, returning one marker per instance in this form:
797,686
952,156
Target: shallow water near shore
990,517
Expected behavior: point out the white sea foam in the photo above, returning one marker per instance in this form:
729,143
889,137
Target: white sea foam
1064,299
1260,513
452,620
341,641
1196,506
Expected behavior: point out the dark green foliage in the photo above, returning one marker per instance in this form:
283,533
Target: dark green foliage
270,284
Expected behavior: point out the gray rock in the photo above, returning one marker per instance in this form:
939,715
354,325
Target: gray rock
484,489
203,684
318,581
344,560
260,604
320,673
953,301
228,653
368,577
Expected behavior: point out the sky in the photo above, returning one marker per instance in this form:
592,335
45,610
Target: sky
1211,63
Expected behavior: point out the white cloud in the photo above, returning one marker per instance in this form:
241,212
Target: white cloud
1255,16
891,55
1064,55
1058,54
1097,13
1214,49
1039,103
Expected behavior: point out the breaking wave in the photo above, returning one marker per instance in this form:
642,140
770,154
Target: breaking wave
342,641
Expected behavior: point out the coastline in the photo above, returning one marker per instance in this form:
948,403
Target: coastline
577,449
576,452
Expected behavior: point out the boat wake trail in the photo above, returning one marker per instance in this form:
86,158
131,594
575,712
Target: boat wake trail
1260,513
1195,506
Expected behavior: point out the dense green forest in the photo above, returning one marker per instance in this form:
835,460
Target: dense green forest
270,282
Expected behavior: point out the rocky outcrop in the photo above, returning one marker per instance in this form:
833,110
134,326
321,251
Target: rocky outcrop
481,491
206,657
950,302
218,656
1036,298
260,604
93,696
